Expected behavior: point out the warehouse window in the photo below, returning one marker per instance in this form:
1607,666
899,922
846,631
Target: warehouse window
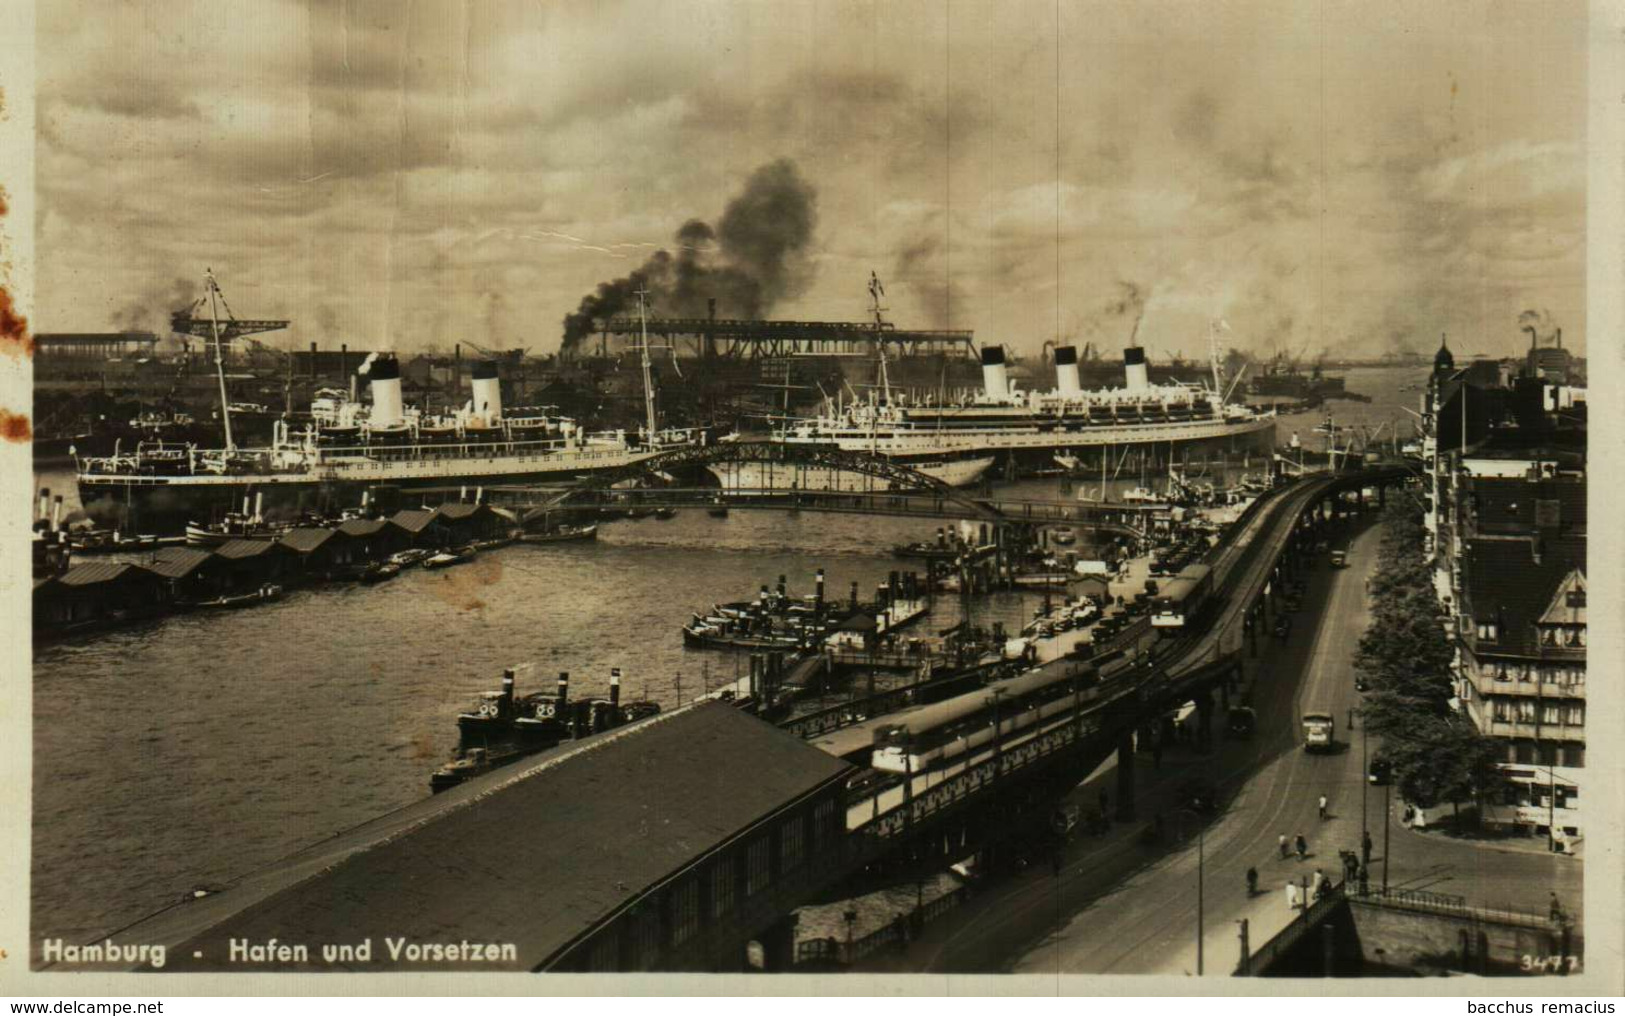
1551,713
824,823
722,887
1487,631
1526,710
792,844
1575,714
758,865
685,911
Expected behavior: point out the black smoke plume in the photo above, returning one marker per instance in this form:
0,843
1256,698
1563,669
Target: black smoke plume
1129,301
149,311
1541,323
755,257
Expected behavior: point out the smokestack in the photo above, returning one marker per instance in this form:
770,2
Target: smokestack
313,359
56,514
1560,338
1531,330
1134,370
487,392
818,589
44,503
781,587
507,691
344,359
854,601
615,687
386,392
1066,370
564,691
995,382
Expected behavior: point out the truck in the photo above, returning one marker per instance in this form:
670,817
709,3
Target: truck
1339,558
1318,732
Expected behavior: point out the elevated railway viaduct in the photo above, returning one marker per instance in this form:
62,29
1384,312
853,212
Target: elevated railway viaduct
686,842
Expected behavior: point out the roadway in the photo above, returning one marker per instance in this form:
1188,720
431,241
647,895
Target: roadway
1113,904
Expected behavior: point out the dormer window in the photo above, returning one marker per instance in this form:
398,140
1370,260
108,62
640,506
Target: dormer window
1487,631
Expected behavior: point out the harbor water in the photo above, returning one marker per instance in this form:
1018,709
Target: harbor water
189,751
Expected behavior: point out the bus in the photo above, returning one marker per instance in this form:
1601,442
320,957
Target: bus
1318,732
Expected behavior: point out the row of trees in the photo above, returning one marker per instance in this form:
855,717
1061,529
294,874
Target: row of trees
1437,754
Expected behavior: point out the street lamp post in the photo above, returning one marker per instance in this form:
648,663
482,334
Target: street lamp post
1387,824
1200,843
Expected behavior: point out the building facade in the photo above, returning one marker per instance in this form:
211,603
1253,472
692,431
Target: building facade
1506,531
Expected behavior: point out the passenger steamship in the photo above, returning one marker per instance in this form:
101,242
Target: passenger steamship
958,441
349,447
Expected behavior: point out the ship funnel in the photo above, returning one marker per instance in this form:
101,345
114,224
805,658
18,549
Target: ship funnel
995,382
44,503
507,691
386,392
614,687
564,688
487,392
1134,370
1066,370
819,589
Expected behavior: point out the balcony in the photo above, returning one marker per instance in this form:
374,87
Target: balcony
1485,686
1538,731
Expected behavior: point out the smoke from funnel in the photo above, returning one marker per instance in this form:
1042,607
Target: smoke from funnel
752,259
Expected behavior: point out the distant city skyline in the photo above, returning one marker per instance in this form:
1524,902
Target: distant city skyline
1348,178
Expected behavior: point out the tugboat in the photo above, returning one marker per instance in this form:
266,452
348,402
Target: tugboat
502,729
561,534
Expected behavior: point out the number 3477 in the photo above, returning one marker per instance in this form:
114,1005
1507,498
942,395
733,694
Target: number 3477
1550,964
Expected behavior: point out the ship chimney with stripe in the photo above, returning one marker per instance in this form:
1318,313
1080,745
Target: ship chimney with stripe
1066,370
487,393
385,375
1134,369
995,381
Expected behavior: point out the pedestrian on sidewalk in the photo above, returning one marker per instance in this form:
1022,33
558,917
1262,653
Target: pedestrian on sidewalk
1557,910
1323,807
1283,846
1303,847
1321,883
1365,849
1291,895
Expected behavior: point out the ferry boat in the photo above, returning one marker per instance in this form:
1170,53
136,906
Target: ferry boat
957,441
349,446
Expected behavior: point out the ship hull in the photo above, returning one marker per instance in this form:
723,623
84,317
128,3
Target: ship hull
165,504
749,476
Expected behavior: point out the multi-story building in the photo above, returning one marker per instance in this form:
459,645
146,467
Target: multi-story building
1506,524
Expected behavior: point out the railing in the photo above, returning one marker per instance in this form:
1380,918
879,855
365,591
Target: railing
831,950
1267,955
1454,906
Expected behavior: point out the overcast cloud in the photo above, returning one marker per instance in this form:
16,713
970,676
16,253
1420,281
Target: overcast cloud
1358,175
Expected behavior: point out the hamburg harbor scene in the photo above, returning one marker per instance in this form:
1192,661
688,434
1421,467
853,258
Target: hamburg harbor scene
840,488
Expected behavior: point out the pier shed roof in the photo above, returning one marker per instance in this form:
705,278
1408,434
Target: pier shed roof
179,562
101,572
306,539
238,550
538,854
413,520
362,527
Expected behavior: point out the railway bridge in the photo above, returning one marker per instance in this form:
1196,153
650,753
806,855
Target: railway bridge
687,842
877,485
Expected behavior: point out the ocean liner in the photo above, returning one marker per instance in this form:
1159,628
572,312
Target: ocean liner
957,441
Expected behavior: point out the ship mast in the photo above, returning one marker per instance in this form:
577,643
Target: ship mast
648,380
876,291
219,356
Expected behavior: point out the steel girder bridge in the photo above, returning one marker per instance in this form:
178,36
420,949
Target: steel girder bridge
889,488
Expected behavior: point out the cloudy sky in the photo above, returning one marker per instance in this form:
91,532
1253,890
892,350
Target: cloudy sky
1358,175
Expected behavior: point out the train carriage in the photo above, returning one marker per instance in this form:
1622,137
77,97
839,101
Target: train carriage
1183,598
